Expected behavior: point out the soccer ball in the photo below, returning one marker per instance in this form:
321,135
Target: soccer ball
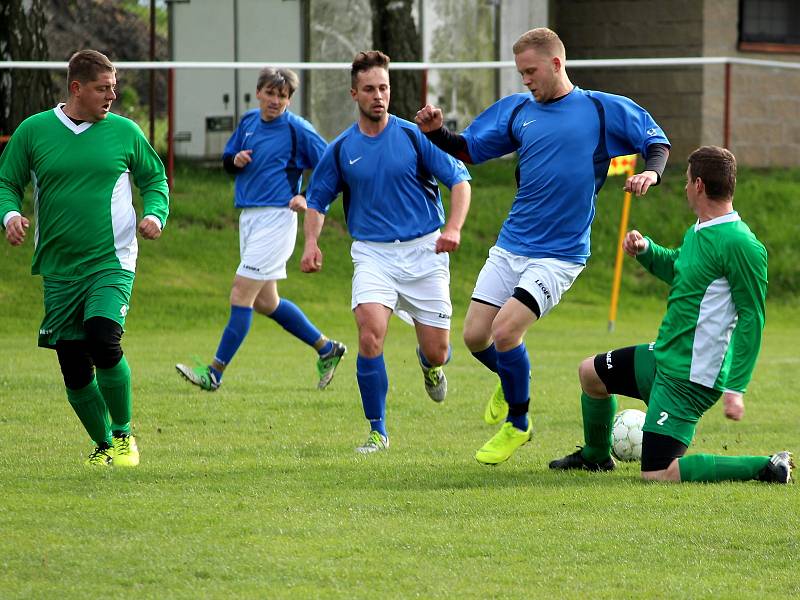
626,435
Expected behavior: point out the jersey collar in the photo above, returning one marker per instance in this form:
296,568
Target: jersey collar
68,123
729,218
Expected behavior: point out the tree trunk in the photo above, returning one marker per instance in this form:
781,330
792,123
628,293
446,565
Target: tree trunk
395,33
23,92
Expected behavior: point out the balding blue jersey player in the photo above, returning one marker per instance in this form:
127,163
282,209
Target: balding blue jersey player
385,168
565,138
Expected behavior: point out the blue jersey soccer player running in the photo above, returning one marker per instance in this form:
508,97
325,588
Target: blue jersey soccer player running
384,168
565,138
268,152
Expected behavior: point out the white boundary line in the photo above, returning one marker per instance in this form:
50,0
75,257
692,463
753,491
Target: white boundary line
419,66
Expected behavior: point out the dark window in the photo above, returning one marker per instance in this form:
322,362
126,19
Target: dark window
769,25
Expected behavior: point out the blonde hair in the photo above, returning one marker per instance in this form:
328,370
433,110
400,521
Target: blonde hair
542,40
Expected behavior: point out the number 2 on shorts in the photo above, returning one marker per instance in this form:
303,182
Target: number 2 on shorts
664,417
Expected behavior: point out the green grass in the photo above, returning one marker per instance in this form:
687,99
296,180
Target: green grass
255,491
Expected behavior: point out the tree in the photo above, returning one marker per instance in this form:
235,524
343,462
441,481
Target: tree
22,37
395,33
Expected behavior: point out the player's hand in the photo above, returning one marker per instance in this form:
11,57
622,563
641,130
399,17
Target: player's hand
734,405
634,243
149,230
429,118
312,259
15,230
449,241
298,203
242,158
639,184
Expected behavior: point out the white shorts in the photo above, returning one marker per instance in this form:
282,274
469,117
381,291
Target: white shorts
546,279
266,242
407,277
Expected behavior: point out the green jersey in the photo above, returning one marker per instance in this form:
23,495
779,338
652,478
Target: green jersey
711,334
81,175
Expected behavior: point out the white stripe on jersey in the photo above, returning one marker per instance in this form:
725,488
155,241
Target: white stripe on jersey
123,222
715,322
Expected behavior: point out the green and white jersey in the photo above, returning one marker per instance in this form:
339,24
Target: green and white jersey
81,175
711,334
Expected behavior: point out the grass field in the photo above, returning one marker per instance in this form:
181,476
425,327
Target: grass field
255,491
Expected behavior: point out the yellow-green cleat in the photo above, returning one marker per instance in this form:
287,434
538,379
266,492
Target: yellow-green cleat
375,443
497,407
503,444
326,365
100,457
125,450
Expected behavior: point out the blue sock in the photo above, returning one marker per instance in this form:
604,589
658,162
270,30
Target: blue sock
289,316
423,360
373,382
488,357
514,368
233,336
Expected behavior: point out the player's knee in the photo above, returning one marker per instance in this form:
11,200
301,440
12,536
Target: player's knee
476,339
505,336
75,363
437,355
103,338
590,381
266,306
370,344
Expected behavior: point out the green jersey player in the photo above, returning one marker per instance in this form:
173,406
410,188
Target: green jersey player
81,160
706,348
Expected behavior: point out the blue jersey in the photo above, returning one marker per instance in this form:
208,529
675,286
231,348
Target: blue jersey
387,183
282,149
564,149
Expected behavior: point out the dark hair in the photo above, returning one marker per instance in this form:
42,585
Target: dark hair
364,61
271,77
86,65
717,168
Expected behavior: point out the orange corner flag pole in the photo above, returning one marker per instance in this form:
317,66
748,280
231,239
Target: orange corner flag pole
622,165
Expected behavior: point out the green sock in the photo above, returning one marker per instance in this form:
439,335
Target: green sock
115,385
88,404
713,467
598,416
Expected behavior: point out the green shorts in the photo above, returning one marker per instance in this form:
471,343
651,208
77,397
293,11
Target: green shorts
676,405
67,304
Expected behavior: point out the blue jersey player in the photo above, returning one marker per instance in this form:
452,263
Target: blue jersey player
385,168
267,153
565,138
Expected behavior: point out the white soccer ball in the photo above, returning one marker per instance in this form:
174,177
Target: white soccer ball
626,435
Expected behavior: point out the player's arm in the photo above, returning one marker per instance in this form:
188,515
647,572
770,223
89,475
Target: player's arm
658,260
746,272
325,185
450,239
655,163
14,176
430,120
312,228
151,179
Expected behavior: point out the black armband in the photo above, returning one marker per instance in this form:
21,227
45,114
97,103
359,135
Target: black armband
656,161
229,166
452,143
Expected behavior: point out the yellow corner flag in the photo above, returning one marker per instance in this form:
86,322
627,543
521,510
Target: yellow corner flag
620,165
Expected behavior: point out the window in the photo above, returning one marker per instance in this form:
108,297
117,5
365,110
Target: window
769,25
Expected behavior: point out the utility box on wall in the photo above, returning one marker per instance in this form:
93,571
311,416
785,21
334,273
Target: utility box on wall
209,102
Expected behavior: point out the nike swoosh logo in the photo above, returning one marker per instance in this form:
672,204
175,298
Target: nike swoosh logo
355,160
248,133
526,123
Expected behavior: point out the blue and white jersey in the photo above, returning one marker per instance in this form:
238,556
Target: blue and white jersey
282,149
564,149
387,182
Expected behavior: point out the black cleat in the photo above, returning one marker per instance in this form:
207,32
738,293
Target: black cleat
576,461
778,469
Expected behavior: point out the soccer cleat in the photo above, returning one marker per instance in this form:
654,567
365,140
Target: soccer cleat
201,376
435,381
125,450
503,444
326,364
778,469
100,457
375,443
577,461
497,407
